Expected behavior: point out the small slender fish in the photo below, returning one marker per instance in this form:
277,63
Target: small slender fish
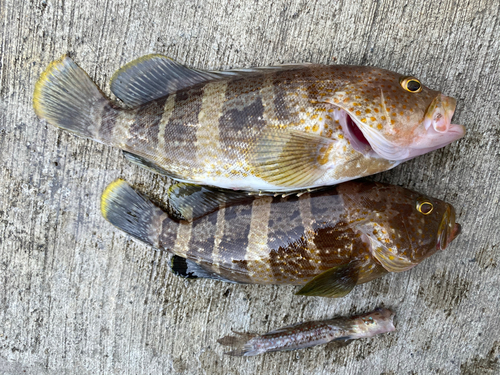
305,335
325,241
273,129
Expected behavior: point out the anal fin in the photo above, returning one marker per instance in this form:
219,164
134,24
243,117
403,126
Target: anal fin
336,282
188,269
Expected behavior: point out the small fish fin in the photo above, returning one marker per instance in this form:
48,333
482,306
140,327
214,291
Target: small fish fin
131,212
243,343
189,269
66,97
340,342
336,282
147,164
390,261
154,76
291,158
189,202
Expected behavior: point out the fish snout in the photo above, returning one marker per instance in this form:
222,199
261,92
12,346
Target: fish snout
440,112
457,229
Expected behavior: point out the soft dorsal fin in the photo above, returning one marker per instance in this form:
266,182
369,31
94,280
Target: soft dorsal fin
335,282
190,202
154,76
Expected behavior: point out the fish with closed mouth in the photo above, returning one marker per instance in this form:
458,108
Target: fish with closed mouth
273,129
327,241
308,334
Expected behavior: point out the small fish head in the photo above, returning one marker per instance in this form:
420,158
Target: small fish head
402,227
378,321
395,117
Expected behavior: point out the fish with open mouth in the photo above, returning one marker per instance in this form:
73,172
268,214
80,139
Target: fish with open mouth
327,241
273,129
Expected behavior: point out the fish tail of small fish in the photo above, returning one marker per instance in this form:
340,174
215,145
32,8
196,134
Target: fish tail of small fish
66,97
131,212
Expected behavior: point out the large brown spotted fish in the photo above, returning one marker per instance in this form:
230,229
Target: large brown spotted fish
272,129
326,241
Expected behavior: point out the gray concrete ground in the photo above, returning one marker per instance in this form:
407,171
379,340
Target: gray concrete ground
79,297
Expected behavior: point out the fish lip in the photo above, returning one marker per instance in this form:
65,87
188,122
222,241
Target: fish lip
448,230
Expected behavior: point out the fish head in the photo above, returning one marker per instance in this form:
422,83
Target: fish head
400,226
393,116
376,322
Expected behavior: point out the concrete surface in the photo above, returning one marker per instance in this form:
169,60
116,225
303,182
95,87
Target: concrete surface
79,297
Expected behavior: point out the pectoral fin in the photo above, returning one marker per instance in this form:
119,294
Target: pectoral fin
336,282
392,262
190,202
291,158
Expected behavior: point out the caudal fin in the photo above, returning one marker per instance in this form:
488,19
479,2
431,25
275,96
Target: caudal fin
129,211
66,97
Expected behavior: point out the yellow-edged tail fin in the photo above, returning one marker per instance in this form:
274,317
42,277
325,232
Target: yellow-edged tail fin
66,97
131,212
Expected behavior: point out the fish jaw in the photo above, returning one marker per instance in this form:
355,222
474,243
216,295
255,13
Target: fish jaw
374,323
434,132
448,230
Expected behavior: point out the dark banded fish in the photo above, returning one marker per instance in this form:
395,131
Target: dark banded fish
305,335
325,241
274,129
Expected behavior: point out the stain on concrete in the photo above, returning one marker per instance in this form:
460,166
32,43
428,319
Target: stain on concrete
483,365
445,291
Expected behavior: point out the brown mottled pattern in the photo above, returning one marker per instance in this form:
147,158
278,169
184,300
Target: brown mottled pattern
168,234
145,128
109,115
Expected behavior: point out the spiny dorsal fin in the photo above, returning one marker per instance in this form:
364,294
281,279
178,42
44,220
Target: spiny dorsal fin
154,76
336,282
291,158
190,202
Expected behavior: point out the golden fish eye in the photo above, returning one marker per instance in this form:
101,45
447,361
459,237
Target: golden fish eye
425,207
411,84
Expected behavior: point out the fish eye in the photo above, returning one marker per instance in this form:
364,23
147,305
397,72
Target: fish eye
425,207
411,84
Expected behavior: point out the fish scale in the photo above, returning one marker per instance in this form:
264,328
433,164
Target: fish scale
274,129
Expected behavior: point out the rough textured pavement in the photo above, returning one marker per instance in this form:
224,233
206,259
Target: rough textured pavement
79,297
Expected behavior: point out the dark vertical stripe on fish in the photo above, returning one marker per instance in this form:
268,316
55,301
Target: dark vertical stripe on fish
108,121
234,242
243,106
145,128
202,238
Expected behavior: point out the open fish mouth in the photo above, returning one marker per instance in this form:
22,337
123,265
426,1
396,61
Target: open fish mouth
434,132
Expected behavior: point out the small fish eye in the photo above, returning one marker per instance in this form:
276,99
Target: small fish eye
411,84
425,207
